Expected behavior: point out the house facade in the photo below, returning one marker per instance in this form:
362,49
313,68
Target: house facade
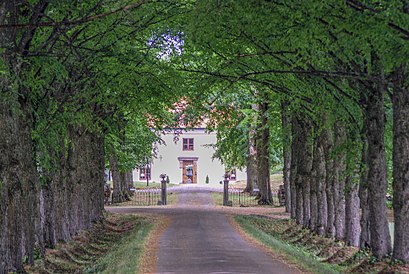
187,160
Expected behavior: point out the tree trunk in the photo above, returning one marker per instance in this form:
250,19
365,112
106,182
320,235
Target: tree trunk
72,190
88,179
65,195
56,198
377,177
48,210
124,180
117,195
306,201
339,181
129,179
252,154
329,180
352,213
293,169
314,191
286,127
320,181
365,239
297,156
96,176
304,168
263,156
299,210
19,187
352,226
303,156
251,174
401,164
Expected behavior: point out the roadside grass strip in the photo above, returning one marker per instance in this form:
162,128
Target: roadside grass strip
125,254
113,245
291,253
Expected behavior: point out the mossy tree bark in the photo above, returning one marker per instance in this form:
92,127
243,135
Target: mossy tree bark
400,100
352,225
380,240
339,180
365,237
19,187
313,197
302,154
329,179
320,183
304,167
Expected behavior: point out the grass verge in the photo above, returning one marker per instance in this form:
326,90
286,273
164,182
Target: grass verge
290,253
172,198
217,198
141,185
113,245
312,252
125,254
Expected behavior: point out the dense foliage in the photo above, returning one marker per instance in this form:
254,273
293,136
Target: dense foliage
86,84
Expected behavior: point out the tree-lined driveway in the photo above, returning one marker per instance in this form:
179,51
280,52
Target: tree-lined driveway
200,239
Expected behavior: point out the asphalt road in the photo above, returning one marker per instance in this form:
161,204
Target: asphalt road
200,239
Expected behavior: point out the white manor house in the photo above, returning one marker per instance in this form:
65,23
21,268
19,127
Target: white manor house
187,160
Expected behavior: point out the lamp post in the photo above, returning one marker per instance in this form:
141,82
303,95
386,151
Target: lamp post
163,187
226,190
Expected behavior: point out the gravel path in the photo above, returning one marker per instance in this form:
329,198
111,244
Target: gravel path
200,239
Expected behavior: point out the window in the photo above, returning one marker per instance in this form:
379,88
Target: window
145,173
187,143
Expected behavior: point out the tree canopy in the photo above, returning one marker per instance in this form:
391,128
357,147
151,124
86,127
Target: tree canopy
86,84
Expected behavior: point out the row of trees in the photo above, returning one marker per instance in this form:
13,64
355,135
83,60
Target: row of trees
337,71
78,80
315,81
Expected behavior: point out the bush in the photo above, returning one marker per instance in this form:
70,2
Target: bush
207,179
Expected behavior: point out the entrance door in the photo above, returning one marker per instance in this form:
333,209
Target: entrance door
185,164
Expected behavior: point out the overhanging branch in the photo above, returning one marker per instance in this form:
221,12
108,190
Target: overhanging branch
75,22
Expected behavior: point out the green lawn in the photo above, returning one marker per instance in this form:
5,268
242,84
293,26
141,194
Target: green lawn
139,184
151,184
217,198
276,179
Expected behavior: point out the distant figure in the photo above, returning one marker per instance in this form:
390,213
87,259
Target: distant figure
107,194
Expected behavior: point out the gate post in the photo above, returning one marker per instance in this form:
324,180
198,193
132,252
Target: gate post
163,188
226,190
